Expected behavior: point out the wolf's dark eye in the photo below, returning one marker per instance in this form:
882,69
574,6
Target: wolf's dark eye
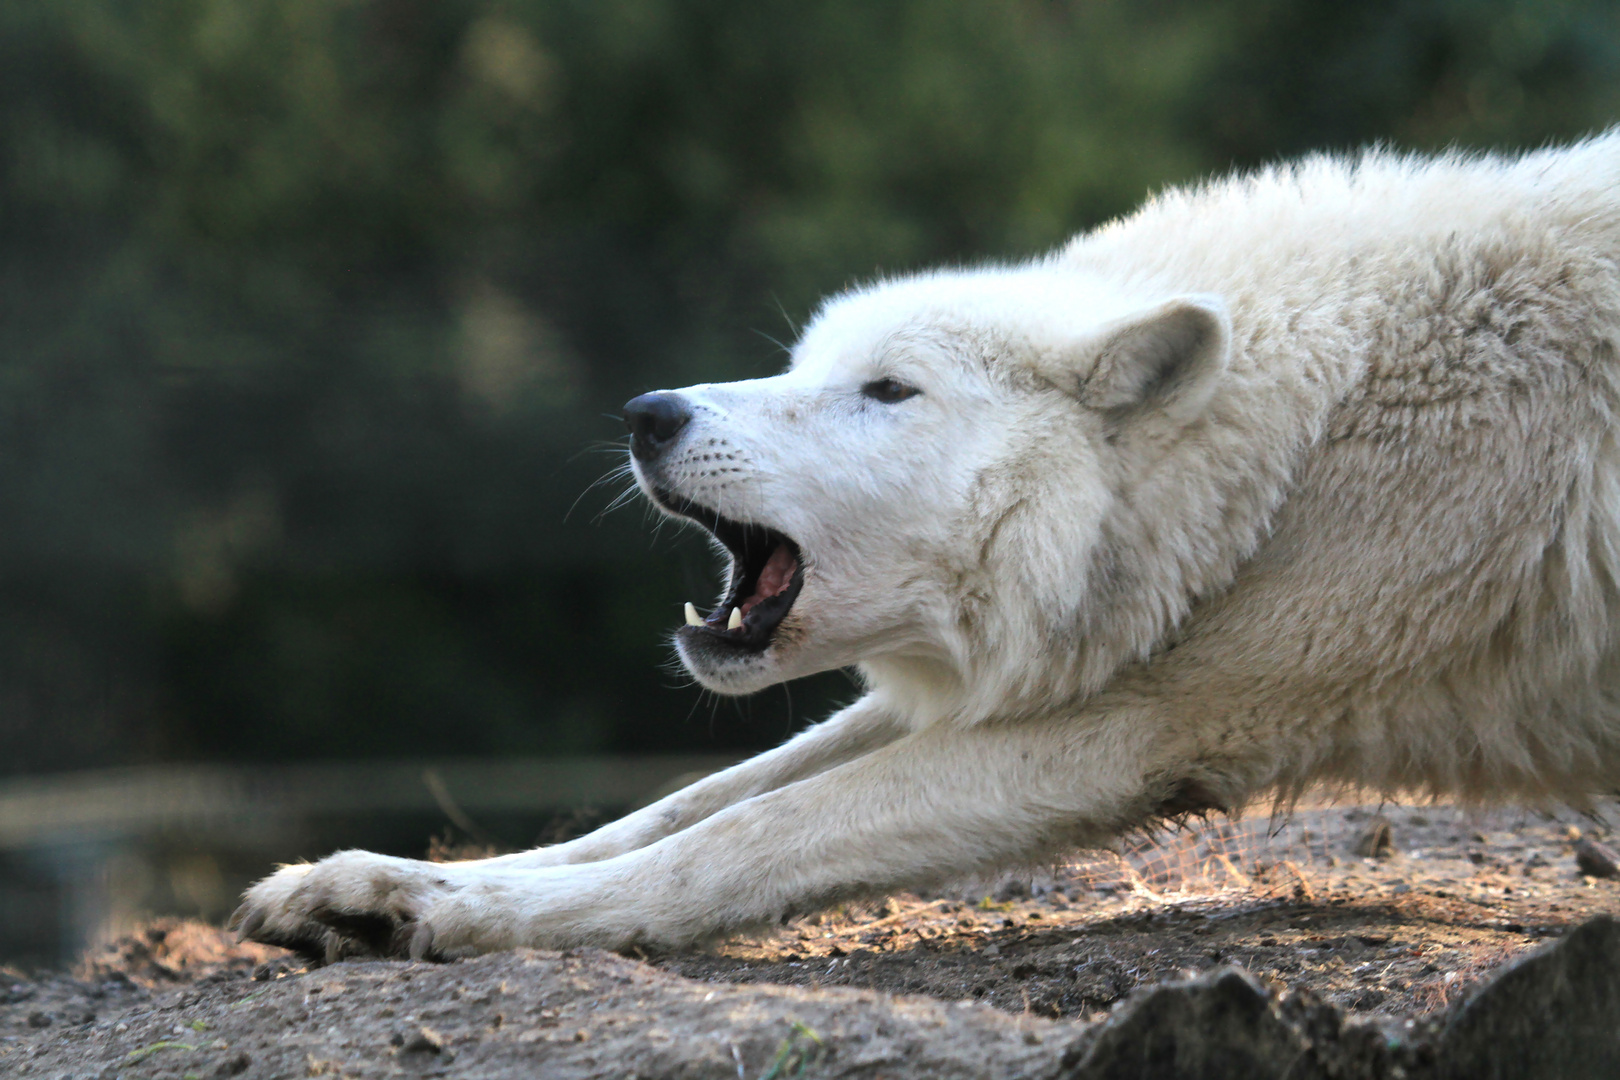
889,391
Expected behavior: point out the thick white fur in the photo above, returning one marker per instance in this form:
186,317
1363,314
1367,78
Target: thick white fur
1303,476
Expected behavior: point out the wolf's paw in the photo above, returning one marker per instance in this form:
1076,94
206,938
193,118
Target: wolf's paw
353,903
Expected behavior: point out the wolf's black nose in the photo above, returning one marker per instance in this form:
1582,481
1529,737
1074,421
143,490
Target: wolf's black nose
655,419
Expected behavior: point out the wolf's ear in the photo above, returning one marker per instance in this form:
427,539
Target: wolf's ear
1166,359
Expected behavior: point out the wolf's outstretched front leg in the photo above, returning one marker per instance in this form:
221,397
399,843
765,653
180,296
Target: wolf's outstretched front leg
859,729
935,804
288,907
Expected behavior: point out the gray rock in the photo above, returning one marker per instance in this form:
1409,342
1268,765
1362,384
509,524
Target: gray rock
1223,1024
1552,1015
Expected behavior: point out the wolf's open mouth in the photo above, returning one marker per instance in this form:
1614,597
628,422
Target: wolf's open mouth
767,573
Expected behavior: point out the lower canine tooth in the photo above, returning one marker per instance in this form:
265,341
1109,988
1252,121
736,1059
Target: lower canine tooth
692,615
736,619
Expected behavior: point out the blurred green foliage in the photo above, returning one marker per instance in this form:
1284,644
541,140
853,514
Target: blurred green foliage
311,310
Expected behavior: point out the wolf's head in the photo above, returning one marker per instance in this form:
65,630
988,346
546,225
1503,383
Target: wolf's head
963,484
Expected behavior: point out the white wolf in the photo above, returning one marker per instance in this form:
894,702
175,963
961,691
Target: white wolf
1306,476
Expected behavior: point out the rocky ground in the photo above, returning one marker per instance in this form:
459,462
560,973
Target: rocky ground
1362,930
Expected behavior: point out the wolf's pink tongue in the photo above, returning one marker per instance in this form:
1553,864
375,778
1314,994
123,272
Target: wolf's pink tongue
776,577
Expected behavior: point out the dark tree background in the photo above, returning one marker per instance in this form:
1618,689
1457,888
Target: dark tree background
313,313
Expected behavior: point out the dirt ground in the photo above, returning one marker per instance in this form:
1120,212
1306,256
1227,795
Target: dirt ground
990,979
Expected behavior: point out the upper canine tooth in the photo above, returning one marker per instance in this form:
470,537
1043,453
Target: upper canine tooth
692,615
736,619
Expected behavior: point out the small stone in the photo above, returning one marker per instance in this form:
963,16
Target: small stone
1377,839
424,1041
1596,860
40,1019
235,1065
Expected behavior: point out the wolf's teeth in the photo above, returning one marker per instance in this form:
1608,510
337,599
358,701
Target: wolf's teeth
736,619
692,615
